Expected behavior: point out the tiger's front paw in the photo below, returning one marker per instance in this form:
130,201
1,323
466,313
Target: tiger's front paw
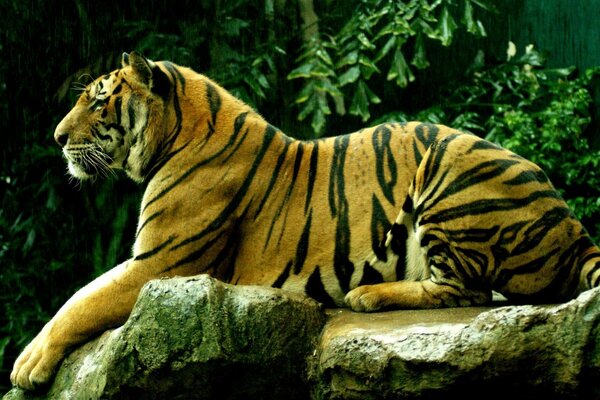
364,299
36,364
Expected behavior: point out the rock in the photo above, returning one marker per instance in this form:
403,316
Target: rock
491,353
197,338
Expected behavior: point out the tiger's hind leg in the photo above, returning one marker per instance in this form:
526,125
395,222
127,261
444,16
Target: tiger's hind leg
437,273
446,286
414,295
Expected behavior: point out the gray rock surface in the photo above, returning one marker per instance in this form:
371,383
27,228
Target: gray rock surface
197,338
491,353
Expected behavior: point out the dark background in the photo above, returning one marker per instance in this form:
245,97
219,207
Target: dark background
57,234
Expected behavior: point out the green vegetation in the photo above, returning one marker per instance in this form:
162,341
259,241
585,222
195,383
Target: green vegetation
312,70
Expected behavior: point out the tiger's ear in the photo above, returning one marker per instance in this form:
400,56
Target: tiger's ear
140,65
148,72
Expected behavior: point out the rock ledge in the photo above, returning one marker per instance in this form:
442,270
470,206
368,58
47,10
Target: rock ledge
198,338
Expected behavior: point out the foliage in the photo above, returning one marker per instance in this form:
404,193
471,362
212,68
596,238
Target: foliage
379,36
539,113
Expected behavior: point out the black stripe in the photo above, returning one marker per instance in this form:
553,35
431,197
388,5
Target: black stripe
437,150
480,173
384,162
118,104
239,122
214,104
297,162
426,134
153,165
239,143
117,89
338,203
99,102
487,205
302,249
288,194
225,214
399,235
336,174
154,251
200,253
589,256
163,160
482,144
370,276
314,288
470,235
118,128
131,111
312,174
407,207
473,260
533,236
532,267
285,274
223,265
148,220
527,177
100,136
379,228
596,282
510,233
434,162
176,75
417,153
161,85
274,176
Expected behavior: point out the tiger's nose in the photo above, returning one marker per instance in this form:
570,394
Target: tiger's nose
61,138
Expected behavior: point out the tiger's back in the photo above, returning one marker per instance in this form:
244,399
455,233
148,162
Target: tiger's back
478,218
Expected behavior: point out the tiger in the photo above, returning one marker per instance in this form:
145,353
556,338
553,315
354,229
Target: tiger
229,195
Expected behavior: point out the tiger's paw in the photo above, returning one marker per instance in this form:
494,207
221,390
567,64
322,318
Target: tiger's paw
365,299
36,364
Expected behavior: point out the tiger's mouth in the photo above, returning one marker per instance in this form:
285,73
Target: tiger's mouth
87,160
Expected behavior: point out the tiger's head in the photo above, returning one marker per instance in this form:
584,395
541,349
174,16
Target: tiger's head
117,121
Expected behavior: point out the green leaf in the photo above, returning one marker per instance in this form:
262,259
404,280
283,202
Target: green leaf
322,102
262,81
399,70
362,38
303,71
310,106
369,66
350,76
325,85
318,122
305,93
324,56
420,59
360,102
386,48
486,5
349,59
255,86
468,18
446,27
481,29
372,96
